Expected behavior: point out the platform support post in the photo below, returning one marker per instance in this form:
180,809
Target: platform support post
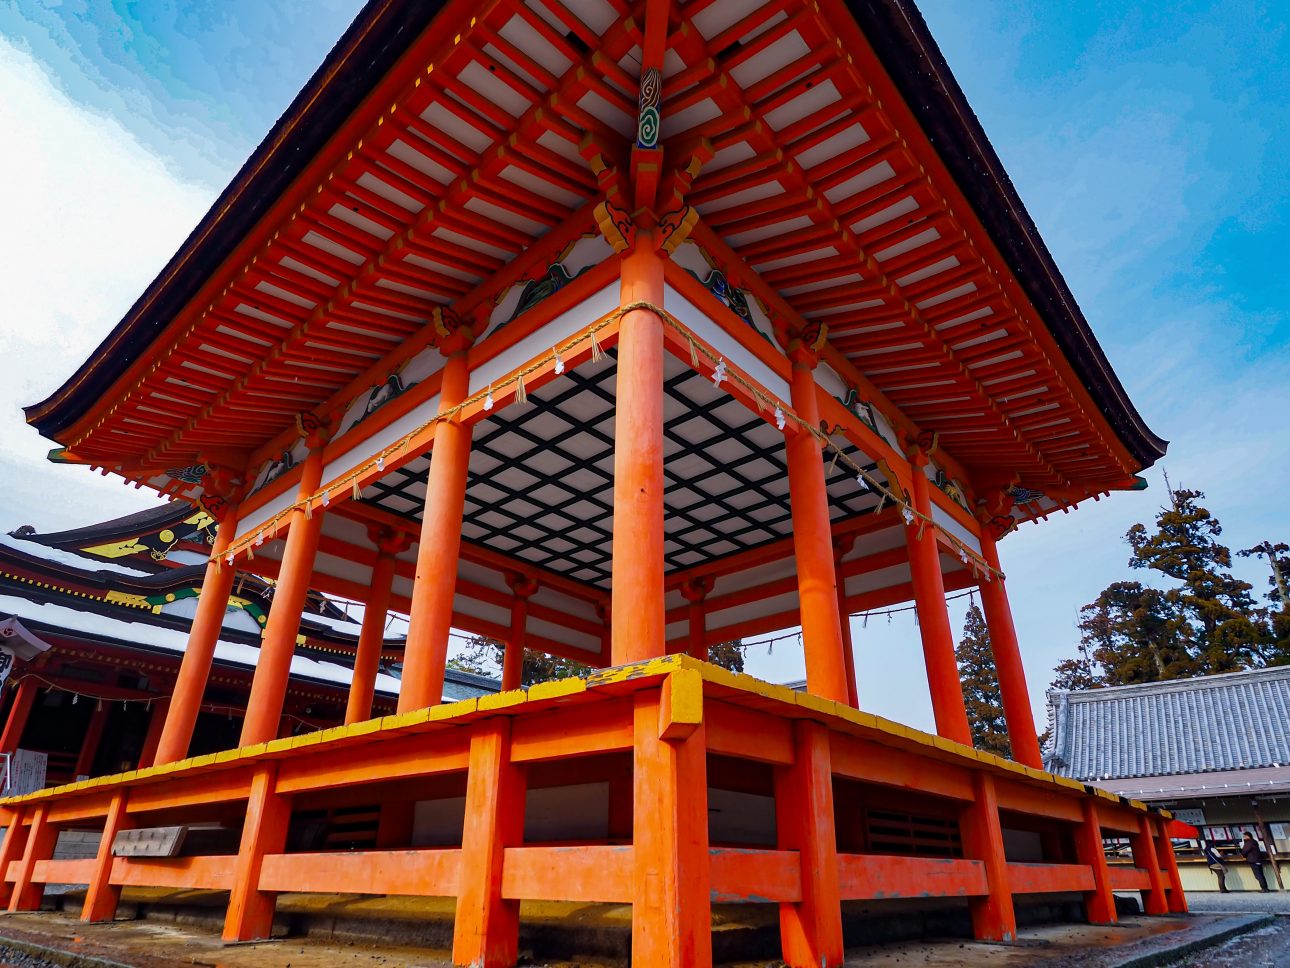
19,712
27,894
1176,896
371,637
487,929
1022,739
426,651
695,591
1143,846
513,657
933,617
636,612
810,930
672,907
993,916
269,687
817,581
1099,904
250,910
101,896
11,849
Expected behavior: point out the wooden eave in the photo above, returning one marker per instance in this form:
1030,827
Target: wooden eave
431,162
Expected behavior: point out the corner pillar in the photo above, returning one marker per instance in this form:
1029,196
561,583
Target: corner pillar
1175,895
1007,658
817,583
637,630
672,906
435,584
180,717
12,849
933,616
272,671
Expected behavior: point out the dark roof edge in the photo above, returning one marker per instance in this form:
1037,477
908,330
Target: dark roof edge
379,35
910,55
1218,680
128,526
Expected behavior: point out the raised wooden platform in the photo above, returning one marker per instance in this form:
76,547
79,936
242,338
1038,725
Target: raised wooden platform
819,804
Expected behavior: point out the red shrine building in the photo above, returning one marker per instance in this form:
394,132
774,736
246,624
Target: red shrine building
106,612
612,329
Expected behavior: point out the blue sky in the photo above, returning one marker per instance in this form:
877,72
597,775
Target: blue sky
1150,141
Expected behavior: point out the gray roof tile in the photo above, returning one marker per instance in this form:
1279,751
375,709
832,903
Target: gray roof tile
1230,722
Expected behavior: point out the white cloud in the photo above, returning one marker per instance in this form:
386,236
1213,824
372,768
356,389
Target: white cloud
90,218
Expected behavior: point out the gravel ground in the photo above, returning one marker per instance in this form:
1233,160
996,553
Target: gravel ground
1255,902
1265,948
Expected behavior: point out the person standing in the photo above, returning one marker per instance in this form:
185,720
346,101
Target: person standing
1253,855
1215,862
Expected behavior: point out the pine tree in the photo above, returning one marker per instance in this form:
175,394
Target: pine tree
1275,617
1205,623
981,693
1215,605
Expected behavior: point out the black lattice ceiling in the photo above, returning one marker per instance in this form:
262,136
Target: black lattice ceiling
541,476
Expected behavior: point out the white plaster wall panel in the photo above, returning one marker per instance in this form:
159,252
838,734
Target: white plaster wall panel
723,343
364,451
951,524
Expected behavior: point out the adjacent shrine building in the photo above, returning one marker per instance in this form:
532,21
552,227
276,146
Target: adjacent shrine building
614,330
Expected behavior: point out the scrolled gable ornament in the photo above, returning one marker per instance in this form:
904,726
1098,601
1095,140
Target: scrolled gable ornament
648,117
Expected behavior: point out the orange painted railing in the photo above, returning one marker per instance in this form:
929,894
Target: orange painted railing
670,730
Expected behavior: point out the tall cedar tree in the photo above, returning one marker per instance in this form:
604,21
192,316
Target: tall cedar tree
483,656
981,692
1276,615
1204,624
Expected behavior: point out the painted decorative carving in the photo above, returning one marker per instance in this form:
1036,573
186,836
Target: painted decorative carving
192,474
648,121
445,321
814,335
675,227
615,225
1023,495
952,488
549,283
307,423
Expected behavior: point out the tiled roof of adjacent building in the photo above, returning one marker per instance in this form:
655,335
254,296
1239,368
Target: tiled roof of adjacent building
1230,722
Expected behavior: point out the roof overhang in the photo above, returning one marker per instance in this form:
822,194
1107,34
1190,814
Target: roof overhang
902,295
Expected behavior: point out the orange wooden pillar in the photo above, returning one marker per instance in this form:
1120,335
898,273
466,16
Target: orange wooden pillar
250,910
11,849
841,547
817,585
19,712
371,637
101,896
152,738
1176,896
486,933
90,742
672,906
42,836
636,609
195,668
278,645
426,651
1099,904
993,916
513,657
1007,659
1143,845
933,617
810,930
695,591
